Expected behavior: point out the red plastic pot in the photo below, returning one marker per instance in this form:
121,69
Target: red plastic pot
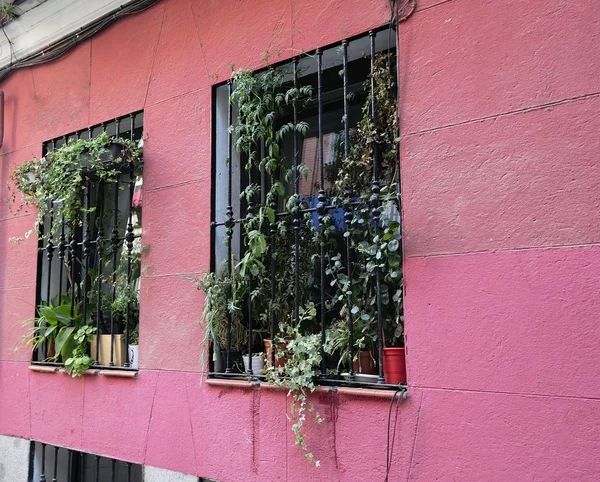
364,363
394,365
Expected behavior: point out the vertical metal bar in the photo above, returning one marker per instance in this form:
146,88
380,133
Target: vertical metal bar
249,216
50,252
131,125
114,239
296,211
72,260
69,464
229,224
113,470
347,205
115,250
82,467
97,468
100,253
43,474
62,247
128,471
129,238
375,213
321,206
55,464
85,254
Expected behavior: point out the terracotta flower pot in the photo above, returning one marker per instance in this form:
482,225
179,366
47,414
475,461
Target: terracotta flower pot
279,362
364,363
394,365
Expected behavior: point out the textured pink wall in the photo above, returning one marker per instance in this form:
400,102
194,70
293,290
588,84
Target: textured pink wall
501,207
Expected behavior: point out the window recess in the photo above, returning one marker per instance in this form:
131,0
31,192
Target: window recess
59,464
89,270
306,240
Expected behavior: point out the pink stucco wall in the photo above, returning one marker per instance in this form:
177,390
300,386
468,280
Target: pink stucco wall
500,171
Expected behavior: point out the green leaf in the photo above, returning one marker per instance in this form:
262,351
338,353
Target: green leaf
393,245
270,214
48,314
65,342
63,314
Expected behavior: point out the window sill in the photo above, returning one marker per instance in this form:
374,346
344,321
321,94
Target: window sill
107,372
257,384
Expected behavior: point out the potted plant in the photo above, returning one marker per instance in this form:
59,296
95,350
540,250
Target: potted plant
258,363
60,177
60,327
224,296
133,347
80,360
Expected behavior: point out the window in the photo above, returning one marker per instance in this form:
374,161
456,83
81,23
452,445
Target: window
306,242
89,265
66,465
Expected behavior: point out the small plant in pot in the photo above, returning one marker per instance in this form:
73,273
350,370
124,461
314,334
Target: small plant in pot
224,298
61,329
302,358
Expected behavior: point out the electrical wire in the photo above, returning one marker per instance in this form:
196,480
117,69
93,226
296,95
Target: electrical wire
389,452
62,46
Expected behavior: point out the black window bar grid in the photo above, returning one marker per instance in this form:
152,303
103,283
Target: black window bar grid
352,89
59,464
83,249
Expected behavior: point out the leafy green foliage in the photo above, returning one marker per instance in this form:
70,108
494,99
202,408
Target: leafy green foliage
224,297
60,176
80,361
302,357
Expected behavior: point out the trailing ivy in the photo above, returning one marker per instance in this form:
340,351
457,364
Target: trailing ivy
60,176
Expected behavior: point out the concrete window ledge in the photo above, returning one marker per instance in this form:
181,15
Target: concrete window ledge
89,372
255,385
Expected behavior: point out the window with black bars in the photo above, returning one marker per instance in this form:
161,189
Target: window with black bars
306,239
89,272
59,464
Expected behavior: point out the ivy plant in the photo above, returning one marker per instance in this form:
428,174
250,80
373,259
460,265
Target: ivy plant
54,184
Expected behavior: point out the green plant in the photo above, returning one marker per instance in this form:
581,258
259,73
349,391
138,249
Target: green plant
376,248
80,361
224,297
55,323
54,184
261,98
302,357
134,336
8,12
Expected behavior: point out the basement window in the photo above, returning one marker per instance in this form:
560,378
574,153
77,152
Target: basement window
60,464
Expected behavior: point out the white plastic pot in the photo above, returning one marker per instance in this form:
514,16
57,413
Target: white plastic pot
258,364
133,356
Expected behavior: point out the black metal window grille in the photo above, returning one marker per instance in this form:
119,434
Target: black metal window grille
339,76
104,252
59,464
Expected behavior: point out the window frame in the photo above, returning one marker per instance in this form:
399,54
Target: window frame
321,209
